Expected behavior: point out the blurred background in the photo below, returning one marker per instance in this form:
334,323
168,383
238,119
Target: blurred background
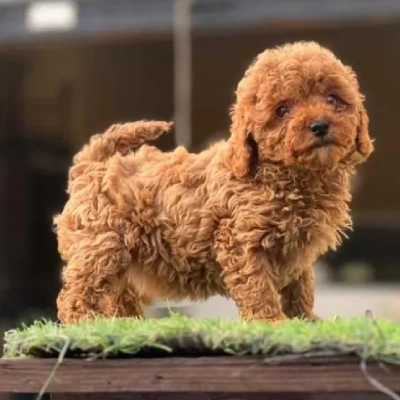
69,69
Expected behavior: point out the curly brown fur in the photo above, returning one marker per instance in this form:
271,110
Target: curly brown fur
246,218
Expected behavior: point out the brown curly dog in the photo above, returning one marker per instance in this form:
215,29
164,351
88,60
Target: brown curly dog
246,218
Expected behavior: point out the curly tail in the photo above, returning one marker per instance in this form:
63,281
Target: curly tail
119,138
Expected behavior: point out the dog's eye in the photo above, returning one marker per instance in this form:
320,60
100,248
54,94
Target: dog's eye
282,110
333,100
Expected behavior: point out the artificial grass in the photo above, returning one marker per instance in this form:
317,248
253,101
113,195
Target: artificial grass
181,336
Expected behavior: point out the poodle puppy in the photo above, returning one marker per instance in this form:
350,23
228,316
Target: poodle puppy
246,218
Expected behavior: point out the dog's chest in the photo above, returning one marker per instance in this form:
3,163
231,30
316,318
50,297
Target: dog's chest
301,224
291,225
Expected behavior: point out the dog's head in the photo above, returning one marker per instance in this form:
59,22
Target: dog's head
298,105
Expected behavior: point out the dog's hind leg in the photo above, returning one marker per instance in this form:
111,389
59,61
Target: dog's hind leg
95,280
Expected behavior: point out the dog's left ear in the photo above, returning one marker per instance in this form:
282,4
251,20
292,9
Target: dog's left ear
364,144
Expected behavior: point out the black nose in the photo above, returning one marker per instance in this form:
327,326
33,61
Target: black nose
319,128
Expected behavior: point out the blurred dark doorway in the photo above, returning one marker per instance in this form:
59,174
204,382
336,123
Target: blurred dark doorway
32,186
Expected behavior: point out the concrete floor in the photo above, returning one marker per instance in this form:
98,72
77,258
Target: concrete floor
331,300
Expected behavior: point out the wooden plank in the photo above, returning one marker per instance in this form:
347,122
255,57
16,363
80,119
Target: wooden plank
220,396
206,375
195,396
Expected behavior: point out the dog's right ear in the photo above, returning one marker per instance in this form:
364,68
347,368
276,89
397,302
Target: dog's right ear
243,156
252,149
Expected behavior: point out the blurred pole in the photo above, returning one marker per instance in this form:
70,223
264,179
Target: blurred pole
183,72
182,107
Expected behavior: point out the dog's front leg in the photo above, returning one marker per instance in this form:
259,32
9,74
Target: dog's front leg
247,277
298,297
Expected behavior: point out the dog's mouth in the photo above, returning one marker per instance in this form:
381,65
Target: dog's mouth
322,144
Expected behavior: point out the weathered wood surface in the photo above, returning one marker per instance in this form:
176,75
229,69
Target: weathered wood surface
221,396
183,375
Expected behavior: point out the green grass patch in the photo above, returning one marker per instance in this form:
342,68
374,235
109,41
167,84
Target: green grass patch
181,336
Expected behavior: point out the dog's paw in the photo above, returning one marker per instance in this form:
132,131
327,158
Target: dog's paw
312,317
276,321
